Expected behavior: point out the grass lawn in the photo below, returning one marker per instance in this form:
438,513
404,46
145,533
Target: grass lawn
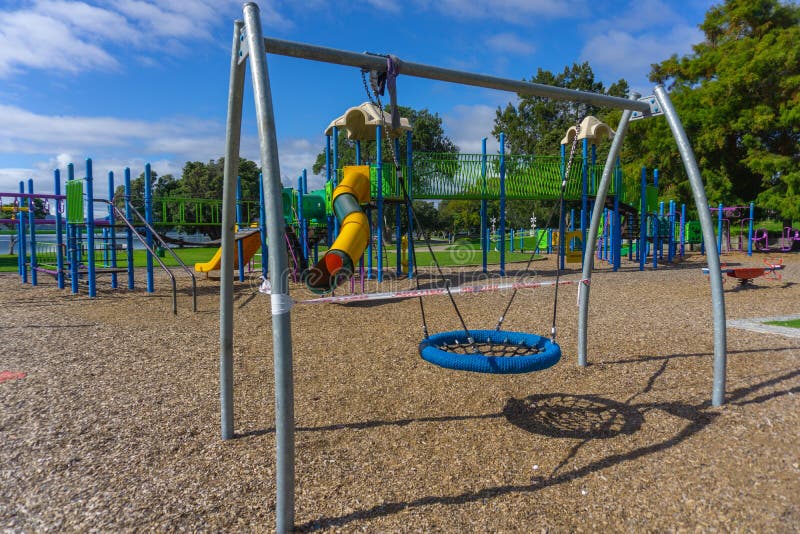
792,323
190,256
454,255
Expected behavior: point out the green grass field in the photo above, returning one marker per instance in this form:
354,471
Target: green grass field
190,256
792,323
460,254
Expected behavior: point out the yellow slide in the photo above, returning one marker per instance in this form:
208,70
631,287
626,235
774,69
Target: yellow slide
337,264
251,242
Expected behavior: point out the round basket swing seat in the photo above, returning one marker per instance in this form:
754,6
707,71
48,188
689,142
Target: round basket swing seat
499,352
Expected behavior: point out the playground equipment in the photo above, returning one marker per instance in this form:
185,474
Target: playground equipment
746,275
251,243
87,253
249,47
339,261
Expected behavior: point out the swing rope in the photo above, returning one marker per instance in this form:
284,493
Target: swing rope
561,234
377,82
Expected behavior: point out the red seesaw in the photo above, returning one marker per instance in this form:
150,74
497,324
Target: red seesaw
746,275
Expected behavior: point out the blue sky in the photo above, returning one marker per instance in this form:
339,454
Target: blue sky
132,81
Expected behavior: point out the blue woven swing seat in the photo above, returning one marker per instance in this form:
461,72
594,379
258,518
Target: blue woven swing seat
499,352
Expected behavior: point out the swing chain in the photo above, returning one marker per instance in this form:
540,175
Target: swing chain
561,229
549,219
399,175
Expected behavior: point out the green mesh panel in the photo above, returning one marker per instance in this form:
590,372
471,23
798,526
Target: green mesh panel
328,198
289,202
75,201
474,176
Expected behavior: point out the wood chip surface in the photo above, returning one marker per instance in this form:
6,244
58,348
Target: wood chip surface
115,424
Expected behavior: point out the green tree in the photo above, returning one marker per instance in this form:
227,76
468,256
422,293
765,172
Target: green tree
536,125
163,186
205,181
738,96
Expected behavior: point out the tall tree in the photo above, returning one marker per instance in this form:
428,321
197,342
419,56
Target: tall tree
205,181
536,124
738,94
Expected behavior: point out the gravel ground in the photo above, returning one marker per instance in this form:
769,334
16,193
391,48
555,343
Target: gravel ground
115,426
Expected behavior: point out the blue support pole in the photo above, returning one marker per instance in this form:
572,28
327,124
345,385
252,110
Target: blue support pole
398,215
328,178
410,214
304,224
22,256
32,224
660,240
369,245
262,226
72,238
148,215
656,240
511,240
379,157
239,222
358,152
90,229
750,229
335,175
719,229
671,244
617,229
60,203
683,229
642,251
300,216
112,230
502,204
484,209
129,232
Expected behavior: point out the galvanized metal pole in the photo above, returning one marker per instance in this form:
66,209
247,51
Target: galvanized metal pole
373,62
591,237
712,256
281,302
233,131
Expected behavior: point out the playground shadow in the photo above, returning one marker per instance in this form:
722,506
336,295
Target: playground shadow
585,417
642,359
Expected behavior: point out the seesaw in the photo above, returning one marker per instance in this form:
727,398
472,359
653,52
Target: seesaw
746,275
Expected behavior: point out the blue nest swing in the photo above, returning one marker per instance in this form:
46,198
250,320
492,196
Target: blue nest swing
492,351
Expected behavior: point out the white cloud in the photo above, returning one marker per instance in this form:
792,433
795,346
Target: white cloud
644,32
386,5
619,54
75,36
53,141
467,125
39,41
521,12
509,42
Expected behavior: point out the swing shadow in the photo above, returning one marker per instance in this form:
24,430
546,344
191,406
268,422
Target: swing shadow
642,359
565,415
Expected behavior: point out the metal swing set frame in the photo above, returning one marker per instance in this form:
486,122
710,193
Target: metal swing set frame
250,46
